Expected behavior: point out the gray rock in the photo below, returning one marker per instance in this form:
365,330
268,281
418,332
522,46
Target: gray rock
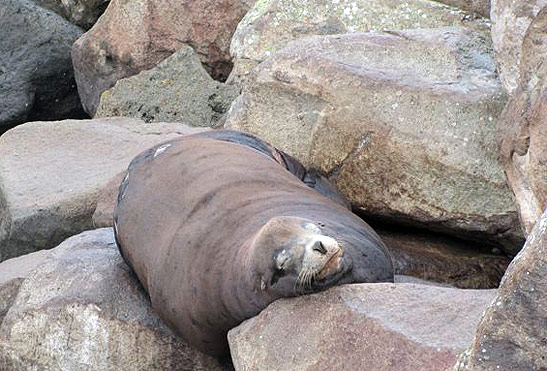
178,89
481,7
103,216
403,123
510,22
83,13
361,327
512,334
83,309
51,175
36,76
271,24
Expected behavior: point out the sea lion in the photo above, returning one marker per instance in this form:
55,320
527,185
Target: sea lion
216,229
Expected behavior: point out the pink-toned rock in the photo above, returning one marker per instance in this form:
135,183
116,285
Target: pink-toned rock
135,35
361,327
510,22
512,334
103,215
523,128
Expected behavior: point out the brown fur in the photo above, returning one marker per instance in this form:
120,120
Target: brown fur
189,221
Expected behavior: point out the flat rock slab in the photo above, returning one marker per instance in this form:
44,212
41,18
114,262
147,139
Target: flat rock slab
83,309
51,174
271,24
177,90
512,334
403,123
361,327
36,75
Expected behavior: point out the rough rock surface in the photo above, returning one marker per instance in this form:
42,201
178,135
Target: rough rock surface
51,174
512,334
481,7
36,77
103,216
438,258
177,90
12,274
271,24
83,308
403,123
83,13
361,327
523,127
510,22
135,35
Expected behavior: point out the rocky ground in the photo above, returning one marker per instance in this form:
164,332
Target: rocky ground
429,116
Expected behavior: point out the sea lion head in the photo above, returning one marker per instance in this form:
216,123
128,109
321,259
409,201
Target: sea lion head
293,256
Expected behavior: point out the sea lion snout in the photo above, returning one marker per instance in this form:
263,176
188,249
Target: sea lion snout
323,256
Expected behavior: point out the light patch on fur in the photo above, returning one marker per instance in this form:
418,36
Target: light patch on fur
161,149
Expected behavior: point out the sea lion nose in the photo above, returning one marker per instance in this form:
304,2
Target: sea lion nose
318,246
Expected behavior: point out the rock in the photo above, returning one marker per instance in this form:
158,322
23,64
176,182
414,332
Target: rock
271,24
362,327
36,77
135,35
512,334
83,308
403,123
104,212
523,128
178,89
441,259
51,174
480,7
510,22
12,274
83,13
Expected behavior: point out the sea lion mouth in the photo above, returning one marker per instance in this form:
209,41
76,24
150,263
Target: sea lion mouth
332,266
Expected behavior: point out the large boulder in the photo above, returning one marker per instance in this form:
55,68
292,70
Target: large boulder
271,24
510,22
512,334
438,258
36,76
83,13
83,309
361,327
403,123
523,127
178,89
135,35
51,174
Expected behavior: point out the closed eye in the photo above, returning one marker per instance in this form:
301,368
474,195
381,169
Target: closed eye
318,246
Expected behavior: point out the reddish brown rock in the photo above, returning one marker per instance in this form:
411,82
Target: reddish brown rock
361,327
512,334
135,35
523,128
442,259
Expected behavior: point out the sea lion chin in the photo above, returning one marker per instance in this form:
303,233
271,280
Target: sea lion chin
217,226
